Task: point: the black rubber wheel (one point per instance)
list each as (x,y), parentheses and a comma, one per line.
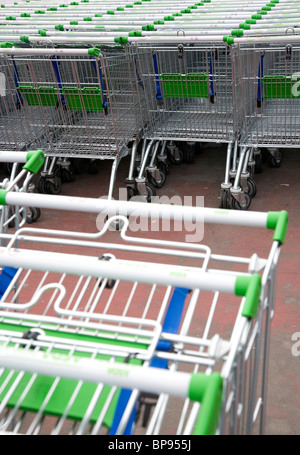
(163,166)
(236,205)
(276,162)
(150,191)
(110,284)
(130,193)
(251,190)
(258,164)
(77,166)
(67,175)
(155,183)
(57,171)
(224,200)
(35,215)
(42,185)
(53,186)
(177,159)
(189,155)
(10,214)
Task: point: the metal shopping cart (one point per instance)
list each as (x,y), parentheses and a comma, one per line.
(268,75)
(190,98)
(89,340)
(78,103)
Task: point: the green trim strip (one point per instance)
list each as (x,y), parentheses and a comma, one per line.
(208,391)
(278,221)
(65,388)
(250,288)
(34,161)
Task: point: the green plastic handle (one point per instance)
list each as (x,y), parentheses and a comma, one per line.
(279,222)
(250,288)
(208,390)
(34,161)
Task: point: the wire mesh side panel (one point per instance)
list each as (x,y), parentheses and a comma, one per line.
(189,92)
(269,89)
(75,105)
(15,130)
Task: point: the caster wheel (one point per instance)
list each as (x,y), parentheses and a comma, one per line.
(224,200)
(110,284)
(276,161)
(10,215)
(163,166)
(150,191)
(189,155)
(251,190)
(130,193)
(67,176)
(236,205)
(57,171)
(34,216)
(156,183)
(177,158)
(42,185)
(53,186)
(77,166)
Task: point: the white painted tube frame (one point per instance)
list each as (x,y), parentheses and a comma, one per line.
(97,371)
(125,270)
(131,208)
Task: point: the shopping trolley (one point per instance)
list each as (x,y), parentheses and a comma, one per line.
(80,333)
(78,103)
(190,98)
(268,83)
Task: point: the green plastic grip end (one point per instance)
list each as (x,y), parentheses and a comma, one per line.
(228,39)
(121,40)
(135,33)
(278,221)
(207,389)
(25,39)
(250,288)
(149,27)
(3,196)
(34,161)
(94,51)
(237,32)
(7,44)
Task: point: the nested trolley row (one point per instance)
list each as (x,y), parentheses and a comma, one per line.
(165,80)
